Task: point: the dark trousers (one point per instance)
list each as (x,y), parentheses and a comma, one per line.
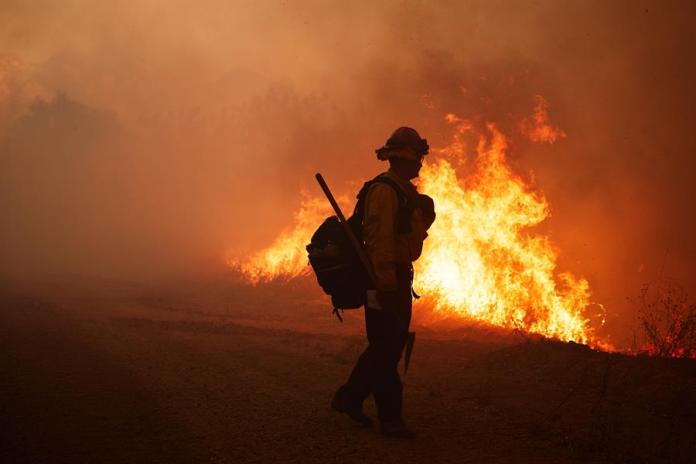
(376,370)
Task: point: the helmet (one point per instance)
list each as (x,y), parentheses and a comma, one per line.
(403,143)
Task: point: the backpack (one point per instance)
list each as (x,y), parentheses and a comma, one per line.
(335,262)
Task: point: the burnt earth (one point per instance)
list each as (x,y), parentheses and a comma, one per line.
(119,375)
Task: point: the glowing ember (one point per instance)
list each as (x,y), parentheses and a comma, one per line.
(479,262)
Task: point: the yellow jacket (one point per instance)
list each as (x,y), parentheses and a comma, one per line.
(385,246)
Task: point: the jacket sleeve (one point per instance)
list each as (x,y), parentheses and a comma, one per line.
(381,204)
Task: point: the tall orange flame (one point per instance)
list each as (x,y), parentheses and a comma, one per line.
(479,262)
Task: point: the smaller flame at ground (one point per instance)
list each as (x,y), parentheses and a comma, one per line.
(286,257)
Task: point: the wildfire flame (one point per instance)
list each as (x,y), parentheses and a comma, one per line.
(478,262)
(286,257)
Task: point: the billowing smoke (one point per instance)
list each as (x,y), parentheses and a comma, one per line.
(149,140)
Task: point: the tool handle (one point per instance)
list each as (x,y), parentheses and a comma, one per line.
(357,246)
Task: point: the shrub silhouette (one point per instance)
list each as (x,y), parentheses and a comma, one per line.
(668,319)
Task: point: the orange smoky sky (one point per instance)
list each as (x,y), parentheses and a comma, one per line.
(146,139)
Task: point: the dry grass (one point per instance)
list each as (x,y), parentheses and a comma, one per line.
(668,319)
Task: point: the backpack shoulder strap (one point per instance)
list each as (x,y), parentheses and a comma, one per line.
(362,194)
(404,211)
(401,195)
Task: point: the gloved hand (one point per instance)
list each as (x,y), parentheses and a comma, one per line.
(427,207)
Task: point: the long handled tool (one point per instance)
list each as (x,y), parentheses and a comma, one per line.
(364,259)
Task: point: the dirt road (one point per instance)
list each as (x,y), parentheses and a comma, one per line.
(87,379)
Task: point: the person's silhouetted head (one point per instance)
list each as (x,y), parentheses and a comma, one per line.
(405,150)
(406,168)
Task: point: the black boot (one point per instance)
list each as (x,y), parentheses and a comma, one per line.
(339,404)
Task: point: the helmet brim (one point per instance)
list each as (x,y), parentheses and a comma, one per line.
(386,153)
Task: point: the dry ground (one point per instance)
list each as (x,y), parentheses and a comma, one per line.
(114,372)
